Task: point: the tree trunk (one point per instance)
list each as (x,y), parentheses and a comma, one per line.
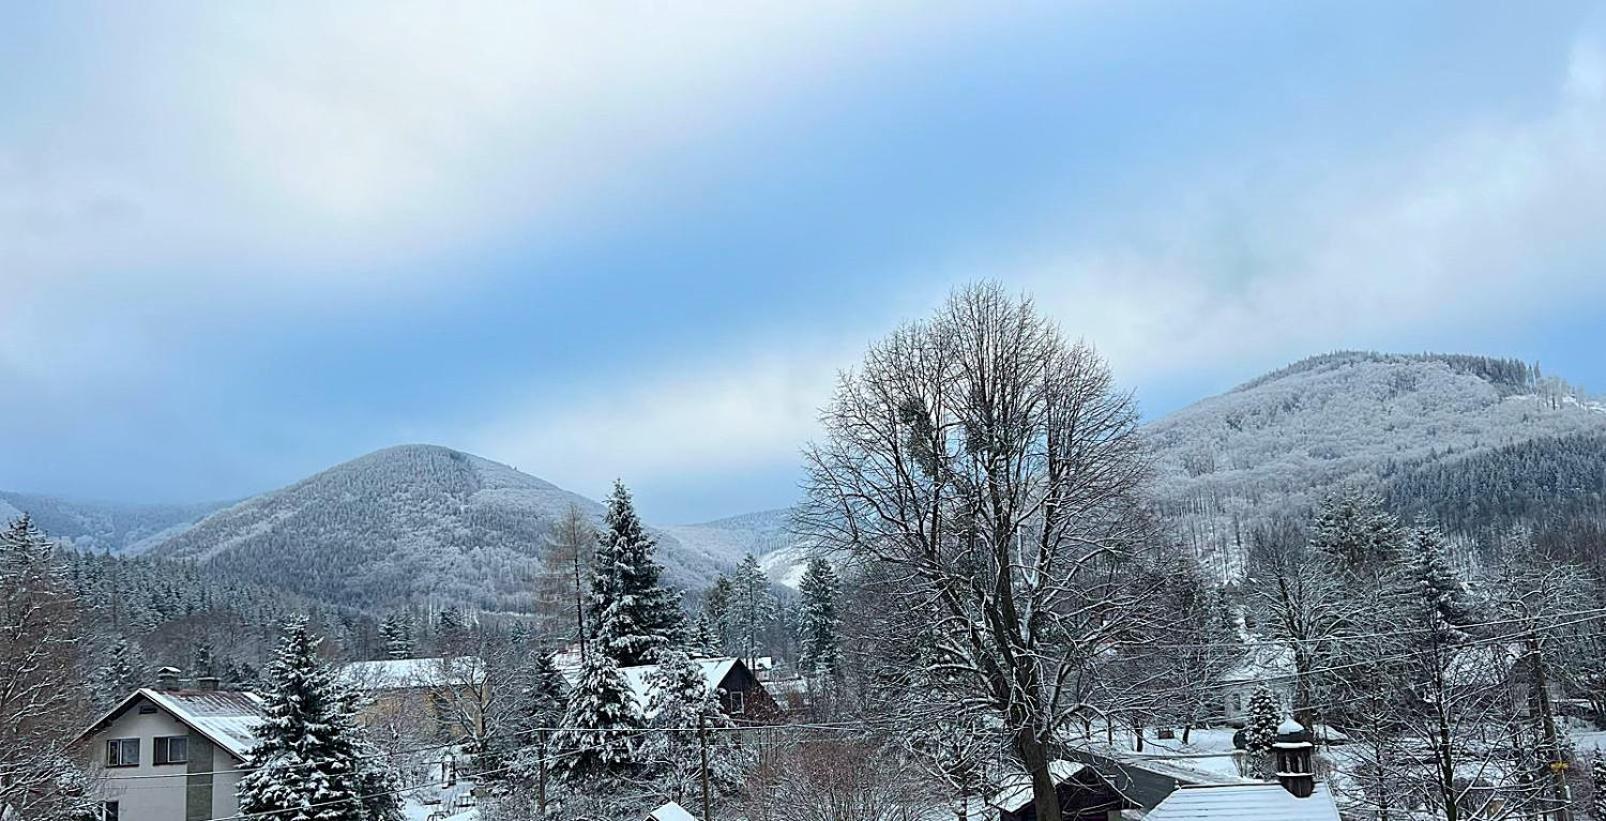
(1034,756)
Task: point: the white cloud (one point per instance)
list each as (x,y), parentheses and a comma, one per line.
(244,159)
(702,420)
(1497,224)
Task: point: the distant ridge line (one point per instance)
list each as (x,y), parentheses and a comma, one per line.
(1503,372)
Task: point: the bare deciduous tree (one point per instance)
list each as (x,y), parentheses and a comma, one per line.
(996,465)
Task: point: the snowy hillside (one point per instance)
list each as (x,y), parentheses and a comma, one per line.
(101,527)
(1282,441)
(413,522)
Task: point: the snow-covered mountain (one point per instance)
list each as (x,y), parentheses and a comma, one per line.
(420,522)
(1435,434)
(1281,442)
(104,527)
(413,522)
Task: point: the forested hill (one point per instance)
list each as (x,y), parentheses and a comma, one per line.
(1418,428)
(413,523)
(104,527)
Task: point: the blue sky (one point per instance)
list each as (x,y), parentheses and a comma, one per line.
(242,242)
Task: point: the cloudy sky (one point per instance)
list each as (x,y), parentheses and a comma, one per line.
(241,242)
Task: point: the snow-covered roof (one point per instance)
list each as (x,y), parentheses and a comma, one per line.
(1262,661)
(1015,791)
(638,678)
(1244,802)
(671,812)
(410,674)
(227,718)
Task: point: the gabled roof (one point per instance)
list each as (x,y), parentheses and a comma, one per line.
(671,812)
(638,678)
(1245,802)
(1015,791)
(410,674)
(1262,661)
(227,718)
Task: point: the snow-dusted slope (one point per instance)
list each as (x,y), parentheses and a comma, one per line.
(413,522)
(766,534)
(103,526)
(1286,439)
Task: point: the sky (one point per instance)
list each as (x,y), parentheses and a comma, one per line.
(242,242)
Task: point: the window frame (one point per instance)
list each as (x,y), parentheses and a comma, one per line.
(162,750)
(120,745)
(738,702)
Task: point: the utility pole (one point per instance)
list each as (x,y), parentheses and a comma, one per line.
(702,743)
(540,779)
(1547,716)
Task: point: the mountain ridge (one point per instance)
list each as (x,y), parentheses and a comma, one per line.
(415,522)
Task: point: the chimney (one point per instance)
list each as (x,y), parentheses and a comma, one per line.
(167,678)
(207,684)
(1294,770)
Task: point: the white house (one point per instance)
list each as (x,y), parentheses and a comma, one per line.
(172,755)
(1267,664)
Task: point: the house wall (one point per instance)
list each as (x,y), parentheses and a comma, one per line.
(1235,698)
(170,792)
(756,701)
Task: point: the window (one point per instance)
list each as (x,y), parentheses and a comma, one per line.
(172,750)
(737,705)
(122,752)
(108,811)
(147,709)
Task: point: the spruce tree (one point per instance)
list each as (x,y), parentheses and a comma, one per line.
(637,617)
(753,607)
(703,641)
(599,722)
(681,705)
(121,673)
(818,621)
(309,762)
(1444,602)
(1265,713)
(397,634)
(717,607)
(1354,530)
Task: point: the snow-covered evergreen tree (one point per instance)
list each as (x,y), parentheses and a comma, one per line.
(41,664)
(817,628)
(1264,714)
(636,616)
(451,627)
(753,607)
(600,723)
(1445,604)
(396,632)
(1353,529)
(310,762)
(717,607)
(703,641)
(121,672)
(680,702)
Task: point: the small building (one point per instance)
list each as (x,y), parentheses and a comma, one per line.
(1083,795)
(1268,664)
(443,698)
(173,754)
(671,812)
(741,694)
